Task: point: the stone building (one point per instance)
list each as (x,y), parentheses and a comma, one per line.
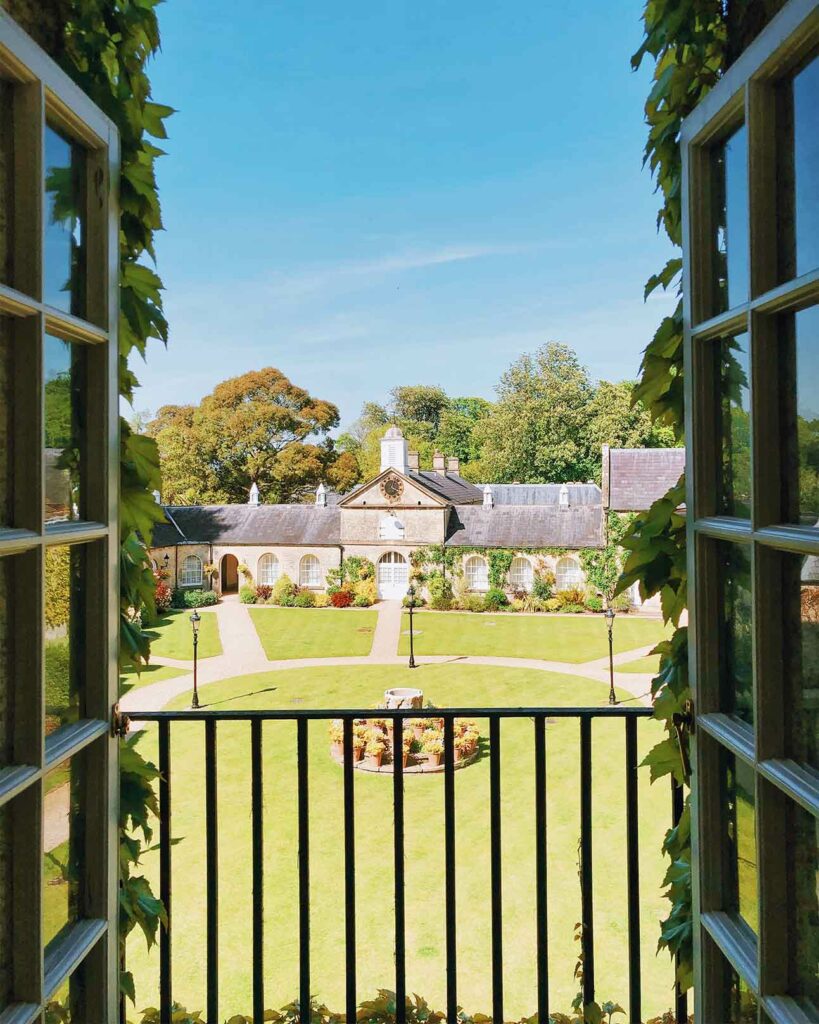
(385,519)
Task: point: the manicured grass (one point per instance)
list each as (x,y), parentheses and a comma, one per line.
(651,663)
(424,857)
(573,638)
(314,632)
(174,639)
(131,680)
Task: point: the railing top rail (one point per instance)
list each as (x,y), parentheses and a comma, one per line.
(295,714)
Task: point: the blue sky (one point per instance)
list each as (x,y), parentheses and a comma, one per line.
(374,193)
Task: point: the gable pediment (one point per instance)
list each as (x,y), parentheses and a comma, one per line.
(391,489)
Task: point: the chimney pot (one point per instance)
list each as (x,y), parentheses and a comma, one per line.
(453,464)
(413,462)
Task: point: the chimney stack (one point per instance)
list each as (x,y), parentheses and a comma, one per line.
(453,464)
(413,462)
(439,463)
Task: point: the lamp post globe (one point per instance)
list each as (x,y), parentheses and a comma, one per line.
(196,618)
(411,597)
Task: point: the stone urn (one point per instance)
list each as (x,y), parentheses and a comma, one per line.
(403,697)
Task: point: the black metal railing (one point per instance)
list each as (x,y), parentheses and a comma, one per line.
(629,715)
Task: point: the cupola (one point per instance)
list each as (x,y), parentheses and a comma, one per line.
(394,451)
(321,496)
(563,499)
(488,497)
(253,498)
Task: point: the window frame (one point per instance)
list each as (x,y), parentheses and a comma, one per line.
(483,583)
(184,574)
(746,94)
(529,574)
(265,560)
(310,580)
(577,568)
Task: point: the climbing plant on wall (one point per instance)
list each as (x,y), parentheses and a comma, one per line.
(692,43)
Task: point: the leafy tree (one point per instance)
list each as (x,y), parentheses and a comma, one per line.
(616,420)
(537,431)
(456,433)
(420,406)
(253,428)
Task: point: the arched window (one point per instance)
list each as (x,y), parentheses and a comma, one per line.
(268,570)
(569,574)
(477,573)
(521,573)
(309,572)
(191,574)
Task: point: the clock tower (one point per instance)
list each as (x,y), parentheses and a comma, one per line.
(394,451)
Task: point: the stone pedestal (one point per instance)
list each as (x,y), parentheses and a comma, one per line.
(403,697)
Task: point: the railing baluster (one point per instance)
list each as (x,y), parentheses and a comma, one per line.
(349,869)
(633,874)
(258,870)
(305,1013)
(400,922)
(496,869)
(449,870)
(586,894)
(212,857)
(540,870)
(165,986)
(680,997)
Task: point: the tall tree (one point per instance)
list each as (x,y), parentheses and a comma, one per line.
(256,428)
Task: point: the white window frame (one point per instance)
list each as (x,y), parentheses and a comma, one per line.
(476,571)
(310,572)
(192,572)
(521,573)
(569,573)
(268,569)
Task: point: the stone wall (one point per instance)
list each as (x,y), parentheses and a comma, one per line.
(422,526)
(289,559)
(176,556)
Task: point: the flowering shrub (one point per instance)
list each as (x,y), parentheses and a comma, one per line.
(305,599)
(341,599)
(283,587)
(247,595)
(162,592)
(263,592)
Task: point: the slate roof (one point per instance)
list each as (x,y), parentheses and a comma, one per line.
(450,487)
(543,494)
(299,525)
(526,526)
(637,477)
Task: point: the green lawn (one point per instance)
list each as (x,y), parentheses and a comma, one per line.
(174,637)
(314,633)
(574,638)
(130,679)
(443,684)
(650,663)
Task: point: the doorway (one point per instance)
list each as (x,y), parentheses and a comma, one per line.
(230,574)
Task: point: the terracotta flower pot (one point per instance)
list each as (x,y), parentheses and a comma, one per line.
(434,759)
(374,760)
(404,759)
(358,753)
(338,749)
(418,732)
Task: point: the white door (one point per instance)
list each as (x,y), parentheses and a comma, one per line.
(393,576)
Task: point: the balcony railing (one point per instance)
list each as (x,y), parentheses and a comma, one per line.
(495,716)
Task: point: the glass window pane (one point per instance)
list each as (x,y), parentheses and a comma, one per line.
(6,422)
(64,253)
(740,819)
(735,425)
(798,176)
(730,171)
(65,646)
(63,845)
(807,412)
(800,609)
(803,873)
(742,1006)
(6,181)
(6,671)
(64,420)
(736,671)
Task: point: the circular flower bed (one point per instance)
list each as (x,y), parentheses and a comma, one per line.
(422,744)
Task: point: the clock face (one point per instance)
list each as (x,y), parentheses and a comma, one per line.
(392,488)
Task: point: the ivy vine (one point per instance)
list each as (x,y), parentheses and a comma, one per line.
(692,43)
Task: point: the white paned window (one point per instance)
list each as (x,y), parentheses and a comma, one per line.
(569,574)
(191,574)
(477,573)
(268,570)
(309,572)
(521,573)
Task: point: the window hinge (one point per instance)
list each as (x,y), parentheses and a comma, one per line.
(120,722)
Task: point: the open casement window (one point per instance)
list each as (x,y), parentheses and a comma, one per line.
(751,286)
(59,599)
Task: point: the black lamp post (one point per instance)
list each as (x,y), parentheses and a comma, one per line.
(165,561)
(610,624)
(411,596)
(196,618)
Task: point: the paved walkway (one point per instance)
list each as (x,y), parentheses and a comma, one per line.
(243,654)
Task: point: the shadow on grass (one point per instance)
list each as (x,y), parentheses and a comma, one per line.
(239,696)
